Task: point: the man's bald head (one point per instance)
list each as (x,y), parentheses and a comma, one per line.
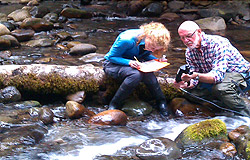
(188,26)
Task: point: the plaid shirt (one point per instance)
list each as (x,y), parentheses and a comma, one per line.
(216,56)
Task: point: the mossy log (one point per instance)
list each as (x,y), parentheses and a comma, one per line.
(62,80)
(51,79)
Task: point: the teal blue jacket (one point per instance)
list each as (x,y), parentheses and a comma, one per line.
(124,48)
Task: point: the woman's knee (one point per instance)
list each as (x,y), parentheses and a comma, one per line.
(131,76)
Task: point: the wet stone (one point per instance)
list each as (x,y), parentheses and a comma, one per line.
(77,97)
(46,116)
(109,117)
(9,94)
(74,109)
(13,41)
(82,49)
(23,35)
(19,15)
(158,148)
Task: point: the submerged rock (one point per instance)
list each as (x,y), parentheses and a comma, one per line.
(158,149)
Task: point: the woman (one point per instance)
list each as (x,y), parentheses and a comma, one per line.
(144,44)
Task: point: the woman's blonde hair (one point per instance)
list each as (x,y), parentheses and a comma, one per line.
(157,32)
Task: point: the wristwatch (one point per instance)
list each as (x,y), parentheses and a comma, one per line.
(197,77)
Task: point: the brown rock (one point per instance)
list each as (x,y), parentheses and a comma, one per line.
(109,117)
(76,110)
(233,135)
(22,34)
(77,97)
(46,116)
(228,149)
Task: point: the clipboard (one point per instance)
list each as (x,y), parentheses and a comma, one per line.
(152,66)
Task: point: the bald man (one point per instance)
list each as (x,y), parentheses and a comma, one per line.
(219,70)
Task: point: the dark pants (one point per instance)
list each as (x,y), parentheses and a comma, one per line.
(131,78)
(227,92)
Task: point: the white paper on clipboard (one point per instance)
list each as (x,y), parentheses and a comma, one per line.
(152,66)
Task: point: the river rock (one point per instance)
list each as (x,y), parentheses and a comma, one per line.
(22,136)
(39,11)
(75,13)
(203,132)
(241,138)
(82,49)
(72,43)
(176,6)
(80,35)
(33,3)
(9,94)
(228,149)
(23,34)
(37,24)
(51,17)
(3,17)
(5,54)
(4,43)
(169,17)
(109,117)
(77,97)
(23,104)
(14,42)
(212,23)
(135,107)
(63,36)
(44,42)
(19,15)
(92,57)
(76,110)
(153,10)
(181,107)
(158,149)
(46,116)
(135,7)
(241,130)
(4,30)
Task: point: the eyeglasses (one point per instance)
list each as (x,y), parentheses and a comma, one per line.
(189,36)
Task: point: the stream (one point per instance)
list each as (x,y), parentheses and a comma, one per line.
(77,140)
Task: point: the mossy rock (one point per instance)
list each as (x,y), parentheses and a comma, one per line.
(248,150)
(204,131)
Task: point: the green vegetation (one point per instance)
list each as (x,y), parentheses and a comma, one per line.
(206,129)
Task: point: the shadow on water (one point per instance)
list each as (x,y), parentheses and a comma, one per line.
(75,139)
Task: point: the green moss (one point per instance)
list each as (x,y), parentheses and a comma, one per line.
(170,92)
(248,150)
(49,84)
(206,129)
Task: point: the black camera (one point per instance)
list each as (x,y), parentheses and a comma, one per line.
(183,69)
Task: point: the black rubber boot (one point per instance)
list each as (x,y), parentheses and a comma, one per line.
(163,108)
(121,94)
(161,103)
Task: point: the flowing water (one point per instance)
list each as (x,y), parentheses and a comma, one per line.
(74,139)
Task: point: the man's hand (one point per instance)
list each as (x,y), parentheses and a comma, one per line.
(187,77)
(182,84)
(135,64)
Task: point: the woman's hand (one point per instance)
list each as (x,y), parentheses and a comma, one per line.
(163,59)
(135,64)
